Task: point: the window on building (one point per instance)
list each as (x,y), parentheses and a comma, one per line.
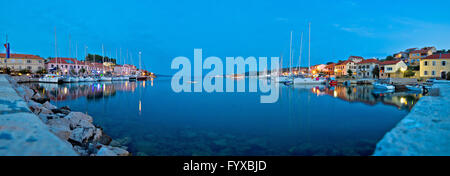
(434,63)
(52,65)
(433,73)
(40,61)
(29,67)
(39,68)
(443,63)
(425,63)
(28,61)
(425,72)
(389,68)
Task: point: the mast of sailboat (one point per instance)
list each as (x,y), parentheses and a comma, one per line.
(56,53)
(140,68)
(103,59)
(309,47)
(300,57)
(290,55)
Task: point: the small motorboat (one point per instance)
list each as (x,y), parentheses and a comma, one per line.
(417,88)
(383,86)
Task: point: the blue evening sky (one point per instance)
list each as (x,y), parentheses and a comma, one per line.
(165,29)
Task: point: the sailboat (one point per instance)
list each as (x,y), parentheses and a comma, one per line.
(307,80)
(283,78)
(53,78)
(140,76)
(103,77)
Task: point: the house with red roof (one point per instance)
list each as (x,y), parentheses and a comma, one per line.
(329,69)
(19,62)
(355,59)
(392,69)
(416,55)
(364,69)
(66,66)
(435,66)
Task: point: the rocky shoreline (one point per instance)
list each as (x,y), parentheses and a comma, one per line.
(75,128)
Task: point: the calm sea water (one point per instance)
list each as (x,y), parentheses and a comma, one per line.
(150,119)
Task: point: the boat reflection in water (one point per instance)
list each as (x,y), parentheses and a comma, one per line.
(92,91)
(151,119)
(366,94)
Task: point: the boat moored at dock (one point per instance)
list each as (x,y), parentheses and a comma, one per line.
(51,78)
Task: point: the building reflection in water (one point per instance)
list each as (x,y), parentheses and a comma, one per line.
(92,91)
(367,95)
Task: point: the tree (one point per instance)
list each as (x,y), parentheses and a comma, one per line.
(25,71)
(389,58)
(408,73)
(82,71)
(42,71)
(350,72)
(376,72)
(328,63)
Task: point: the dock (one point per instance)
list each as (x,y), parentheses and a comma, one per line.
(22,133)
(424,131)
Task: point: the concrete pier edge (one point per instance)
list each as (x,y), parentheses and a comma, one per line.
(22,133)
(425,131)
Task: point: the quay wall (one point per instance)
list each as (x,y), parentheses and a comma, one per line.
(22,133)
(424,131)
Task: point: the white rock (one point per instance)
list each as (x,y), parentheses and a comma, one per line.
(104,151)
(112,151)
(76,119)
(81,135)
(48,105)
(60,127)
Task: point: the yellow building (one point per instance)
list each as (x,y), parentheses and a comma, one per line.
(19,62)
(416,55)
(435,66)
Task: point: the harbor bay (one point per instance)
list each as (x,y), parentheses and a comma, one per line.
(308,120)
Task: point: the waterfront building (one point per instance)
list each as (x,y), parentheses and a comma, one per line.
(19,62)
(401,55)
(95,68)
(122,69)
(66,66)
(317,68)
(341,69)
(435,66)
(364,69)
(416,55)
(392,69)
(329,69)
(355,59)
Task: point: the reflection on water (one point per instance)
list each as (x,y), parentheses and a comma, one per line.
(151,119)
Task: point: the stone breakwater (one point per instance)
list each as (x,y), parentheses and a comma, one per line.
(424,131)
(74,128)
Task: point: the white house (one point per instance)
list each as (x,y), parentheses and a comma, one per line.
(392,69)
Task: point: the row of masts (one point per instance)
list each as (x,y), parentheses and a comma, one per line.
(129,56)
(291,53)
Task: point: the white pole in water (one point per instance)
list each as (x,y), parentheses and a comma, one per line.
(309,48)
(300,57)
